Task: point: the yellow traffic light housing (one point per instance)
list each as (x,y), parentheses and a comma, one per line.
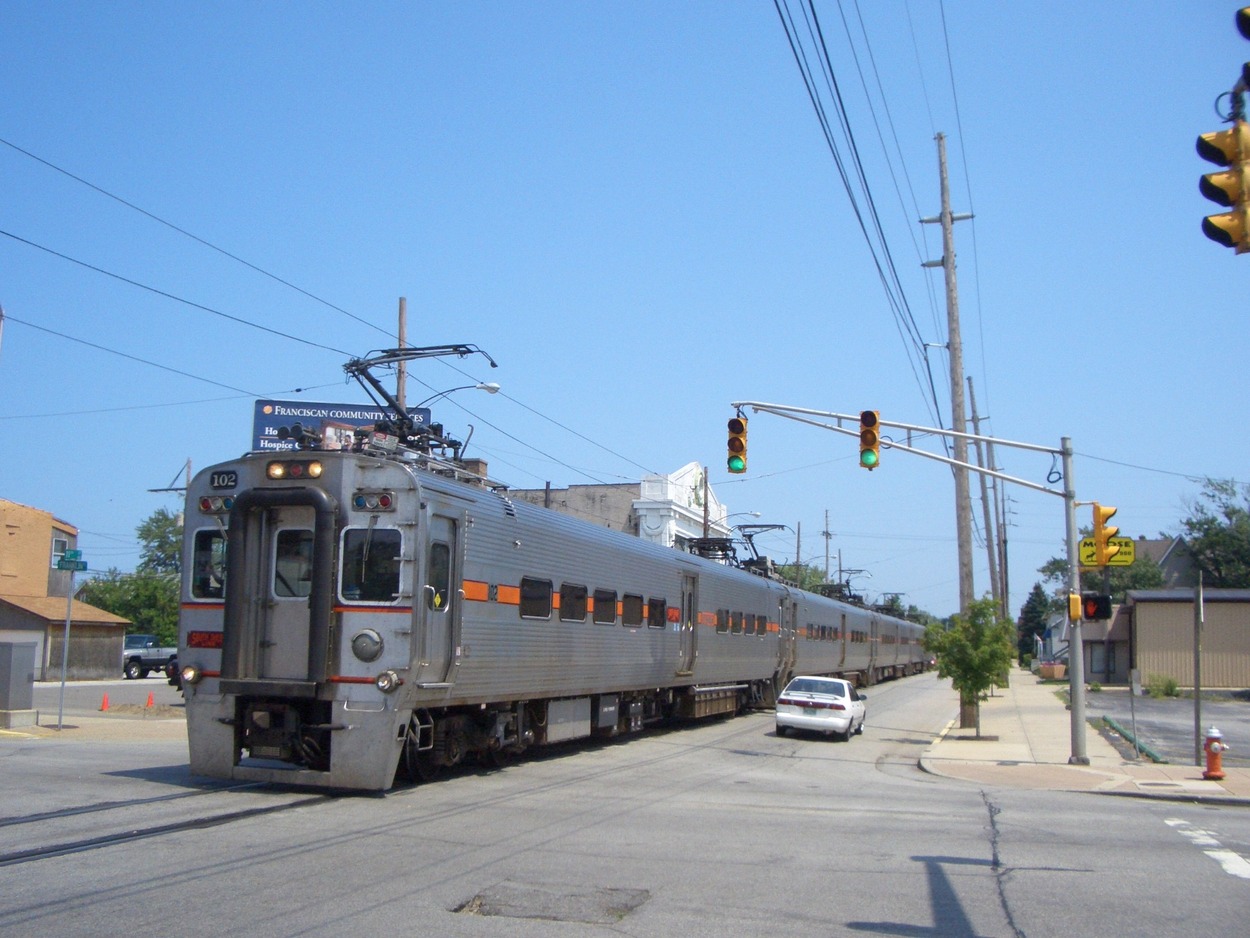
(869,439)
(1104,550)
(736,460)
(1074,607)
(1230,188)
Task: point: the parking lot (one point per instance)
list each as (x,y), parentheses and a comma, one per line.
(1166,725)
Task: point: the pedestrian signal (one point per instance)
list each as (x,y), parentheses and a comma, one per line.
(1095,607)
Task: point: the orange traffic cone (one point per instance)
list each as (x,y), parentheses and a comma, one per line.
(151,699)
(104,704)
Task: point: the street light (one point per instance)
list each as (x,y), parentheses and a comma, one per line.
(489,387)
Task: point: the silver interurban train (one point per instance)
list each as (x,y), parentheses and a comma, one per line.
(348,612)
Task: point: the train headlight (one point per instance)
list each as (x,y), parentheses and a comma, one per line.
(191,674)
(294,469)
(367,645)
(388,682)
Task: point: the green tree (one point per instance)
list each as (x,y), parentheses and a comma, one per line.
(161,536)
(975,652)
(1217,534)
(804,575)
(1033,616)
(148,600)
(149,596)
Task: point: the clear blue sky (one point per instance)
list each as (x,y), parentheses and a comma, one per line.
(632,208)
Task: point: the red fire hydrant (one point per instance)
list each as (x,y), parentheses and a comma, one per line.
(1214,747)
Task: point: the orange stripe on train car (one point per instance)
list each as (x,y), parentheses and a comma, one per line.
(475,590)
(509,595)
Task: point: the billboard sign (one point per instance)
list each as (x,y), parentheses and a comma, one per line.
(336,423)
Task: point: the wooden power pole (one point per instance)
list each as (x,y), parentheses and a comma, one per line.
(963,503)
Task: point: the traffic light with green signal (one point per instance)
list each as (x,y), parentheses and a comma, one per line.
(1104,550)
(1231,187)
(869,439)
(737,445)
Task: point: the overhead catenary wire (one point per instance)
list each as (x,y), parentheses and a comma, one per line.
(194,237)
(280,280)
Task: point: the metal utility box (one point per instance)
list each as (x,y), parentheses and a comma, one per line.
(17,684)
(568,719)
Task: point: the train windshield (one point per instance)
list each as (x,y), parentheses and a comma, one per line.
(371,564)
(209,564)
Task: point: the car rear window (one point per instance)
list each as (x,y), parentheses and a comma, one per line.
(832,688)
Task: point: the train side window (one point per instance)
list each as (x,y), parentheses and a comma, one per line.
(722,620)
(605,607)
(370,564)
(657,613)
(748,626)
(292,565)
(631,611)
(438,578)
(572,603)
(208,563)
(735,623)
(535,598)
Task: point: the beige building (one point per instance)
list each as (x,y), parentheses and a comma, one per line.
(34,598)
(1160,632)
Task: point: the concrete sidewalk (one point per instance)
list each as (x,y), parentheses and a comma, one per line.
(1026,732)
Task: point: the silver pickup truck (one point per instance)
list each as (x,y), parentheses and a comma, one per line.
(142,654)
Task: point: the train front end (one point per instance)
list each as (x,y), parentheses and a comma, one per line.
(296,618)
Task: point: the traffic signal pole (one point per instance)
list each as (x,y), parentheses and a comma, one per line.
(1076,654)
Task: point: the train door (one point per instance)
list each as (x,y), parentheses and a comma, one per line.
(874,641)
(688,644)
(439,604)
(280,563)
(787,630)
(843,638)
(284,650)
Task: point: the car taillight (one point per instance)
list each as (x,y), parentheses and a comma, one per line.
(814,704)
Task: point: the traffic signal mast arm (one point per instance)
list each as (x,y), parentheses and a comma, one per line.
(1076,674)
(801,414)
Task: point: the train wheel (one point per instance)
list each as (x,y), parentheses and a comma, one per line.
(419,765)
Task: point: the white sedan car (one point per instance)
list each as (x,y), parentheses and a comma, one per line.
(826,705)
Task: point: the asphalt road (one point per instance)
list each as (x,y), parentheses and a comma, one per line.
(720,828)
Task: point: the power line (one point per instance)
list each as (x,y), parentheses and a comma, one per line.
(133,358)
(174,297)
(193,237)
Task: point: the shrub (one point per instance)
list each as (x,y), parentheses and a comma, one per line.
(1158,686)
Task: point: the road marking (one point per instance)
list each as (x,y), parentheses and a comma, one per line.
(1233,863)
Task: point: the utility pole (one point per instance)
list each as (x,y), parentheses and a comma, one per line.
(991,544)
(827,535)
(401,374)
(963,502)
